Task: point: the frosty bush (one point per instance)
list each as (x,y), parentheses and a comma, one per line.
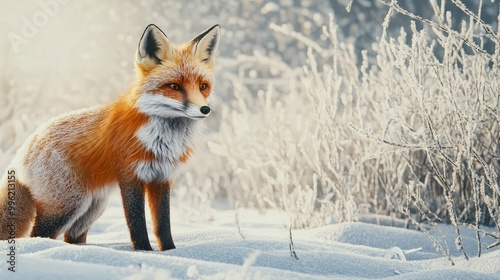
(442,119)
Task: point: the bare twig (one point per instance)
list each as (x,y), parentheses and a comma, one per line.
(406,146)
(497,242)
(445,253)
(290,245)
(483,24)
(236,218)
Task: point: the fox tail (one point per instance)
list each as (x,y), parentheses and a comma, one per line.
(17,209)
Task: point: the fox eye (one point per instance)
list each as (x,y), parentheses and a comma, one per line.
(203,86)
(174,86)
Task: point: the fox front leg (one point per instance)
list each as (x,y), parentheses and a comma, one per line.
(133,204)
(159,202)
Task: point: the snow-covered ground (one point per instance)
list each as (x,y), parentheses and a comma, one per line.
(216,250)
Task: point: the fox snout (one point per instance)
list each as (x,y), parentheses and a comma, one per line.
(200,101)
(197,112)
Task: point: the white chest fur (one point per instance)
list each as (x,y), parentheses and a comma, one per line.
(168,139)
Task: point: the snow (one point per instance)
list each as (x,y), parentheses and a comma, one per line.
(215,250)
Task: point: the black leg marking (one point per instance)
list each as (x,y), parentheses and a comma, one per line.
(80,239)
(50,226)
(133,204)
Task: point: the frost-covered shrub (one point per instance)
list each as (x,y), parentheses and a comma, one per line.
(442,118)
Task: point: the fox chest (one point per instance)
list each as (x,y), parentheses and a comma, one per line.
(169,140)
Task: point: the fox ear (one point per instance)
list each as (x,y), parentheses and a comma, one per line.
(154,47)
(206,43)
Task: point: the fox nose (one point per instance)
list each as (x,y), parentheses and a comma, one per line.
(205,110)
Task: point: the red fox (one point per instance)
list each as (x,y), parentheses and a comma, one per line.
(65,170)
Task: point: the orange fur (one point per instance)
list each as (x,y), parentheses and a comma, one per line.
(185,156)
(156,192)
(108,151)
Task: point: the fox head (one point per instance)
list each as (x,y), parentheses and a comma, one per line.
(176,80)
